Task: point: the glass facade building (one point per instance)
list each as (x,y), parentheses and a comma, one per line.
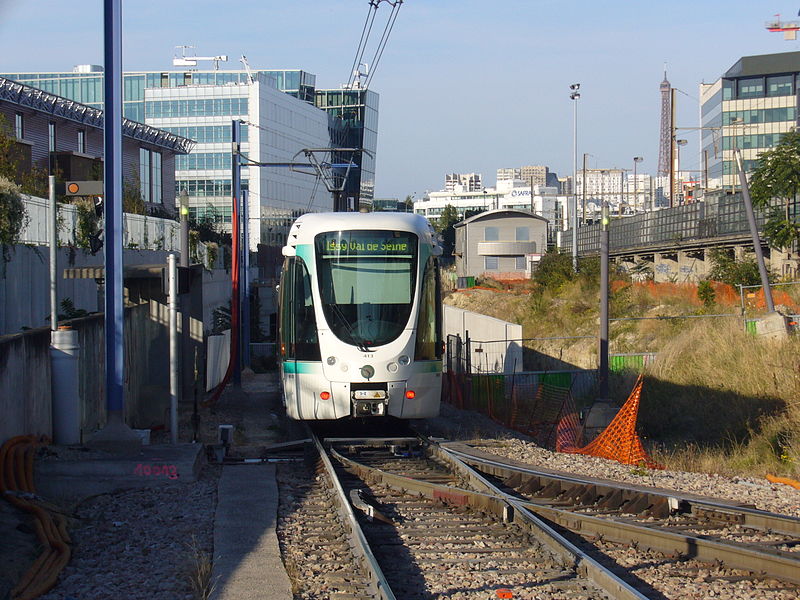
(283,113)
(750,107)
(353,123)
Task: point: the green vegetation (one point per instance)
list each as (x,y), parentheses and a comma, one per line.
(444,226)
(13,216)
(778,177)
(727,269)
(717,399)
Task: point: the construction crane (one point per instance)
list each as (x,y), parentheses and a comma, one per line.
(789,28)
(191,61)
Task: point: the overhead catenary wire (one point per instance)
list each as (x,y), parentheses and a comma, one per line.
(362,43)
(384,39)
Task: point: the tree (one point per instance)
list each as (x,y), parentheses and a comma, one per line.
(778,177)
(32,181)
(444,226)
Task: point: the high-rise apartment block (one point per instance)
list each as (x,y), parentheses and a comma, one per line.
(463,182)
(750,106)
(530,174)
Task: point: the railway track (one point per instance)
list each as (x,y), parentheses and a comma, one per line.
(454,522)
(755,544)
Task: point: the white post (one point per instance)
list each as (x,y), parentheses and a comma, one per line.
(53,238)
(173,347)
(64,349)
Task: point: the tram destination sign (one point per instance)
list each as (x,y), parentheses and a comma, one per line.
(368,244)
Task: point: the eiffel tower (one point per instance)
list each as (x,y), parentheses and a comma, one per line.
(665,141)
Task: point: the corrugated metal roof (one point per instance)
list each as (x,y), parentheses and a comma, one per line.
(765,64)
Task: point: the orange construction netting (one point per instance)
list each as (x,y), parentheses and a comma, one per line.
(619,441)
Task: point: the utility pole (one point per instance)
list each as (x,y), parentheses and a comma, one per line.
(751,220)
(672,148)
(583,188)
(603,337)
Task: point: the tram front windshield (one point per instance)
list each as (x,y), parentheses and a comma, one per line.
(366,281)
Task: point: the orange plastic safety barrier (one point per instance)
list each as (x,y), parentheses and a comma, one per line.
(619,441)
(785,480)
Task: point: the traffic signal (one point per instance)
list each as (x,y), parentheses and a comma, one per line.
(84,188)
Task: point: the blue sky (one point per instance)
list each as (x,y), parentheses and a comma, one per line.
(465,85)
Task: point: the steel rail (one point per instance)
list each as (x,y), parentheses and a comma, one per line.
(509,511)
(736,555)
(658,499)
(360,546)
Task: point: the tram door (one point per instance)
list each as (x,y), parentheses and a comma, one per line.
(299,343)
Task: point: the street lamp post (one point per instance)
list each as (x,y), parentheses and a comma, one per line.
(678,144)
(636,160)
(574,96)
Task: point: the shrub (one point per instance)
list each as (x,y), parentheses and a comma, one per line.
(706,294)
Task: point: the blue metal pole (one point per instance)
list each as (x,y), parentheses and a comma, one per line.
(112,188)
(245,282)
(236,190)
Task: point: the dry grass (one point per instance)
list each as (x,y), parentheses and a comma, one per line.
(716,400)
(199,571)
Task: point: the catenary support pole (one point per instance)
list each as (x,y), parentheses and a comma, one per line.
(245,279)
(116,435)
(113,209)
(602,375)
(53,239)
(751,220)
(236,167)
(172,278)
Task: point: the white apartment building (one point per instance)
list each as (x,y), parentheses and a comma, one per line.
(509,194)
(463,182)
(276,127)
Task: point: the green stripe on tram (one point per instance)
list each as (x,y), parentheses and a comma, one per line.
(429,366)
(302,368)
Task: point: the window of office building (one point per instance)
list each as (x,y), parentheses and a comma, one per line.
(520,263)
(19,126)
(51,136)
(523,234)
(490,263)
(779,85)
(751,87)
(144,173)
(157,195)
(491,234)
(81,141)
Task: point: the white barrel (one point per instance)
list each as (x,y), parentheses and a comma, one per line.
(64,350)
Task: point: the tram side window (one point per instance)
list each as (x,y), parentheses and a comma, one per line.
(429,321)
(299,339)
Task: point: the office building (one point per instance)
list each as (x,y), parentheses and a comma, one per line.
(601,185)
(58,135)
(751,105)
(283,113)
(354,124)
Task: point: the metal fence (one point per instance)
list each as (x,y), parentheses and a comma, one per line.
(716,216)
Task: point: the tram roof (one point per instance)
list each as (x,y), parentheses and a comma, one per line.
(308,225)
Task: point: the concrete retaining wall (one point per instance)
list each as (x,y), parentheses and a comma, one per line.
(26,404)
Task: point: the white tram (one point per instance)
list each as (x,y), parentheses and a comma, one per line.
(360,317)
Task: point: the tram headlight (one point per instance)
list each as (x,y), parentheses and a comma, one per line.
(331,360)
(404,360)
(367,371)
(392,367)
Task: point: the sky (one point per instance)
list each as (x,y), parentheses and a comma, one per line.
(465,86)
